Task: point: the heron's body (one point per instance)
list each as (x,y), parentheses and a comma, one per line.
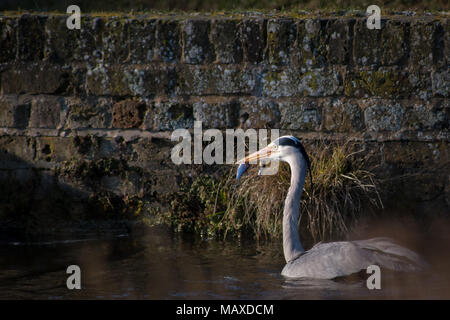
(326,260)
(338,259)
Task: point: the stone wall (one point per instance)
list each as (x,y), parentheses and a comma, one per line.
(89,112)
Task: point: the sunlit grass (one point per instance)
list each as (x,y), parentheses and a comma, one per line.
(342,188)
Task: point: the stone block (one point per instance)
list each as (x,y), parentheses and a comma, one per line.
(168,115)
(168,41)
(340,115)
(366,44)
(61,43)
(226,41)
(128,114)
(340,37)
(253,35)
(217,114)
(46,112)
(259,113)
(312,43)
(281,35)
(302,115)
(441,82)
(123,80)
(142,38)
(89,112)
(394,39)
(14,111)
(384,83)
(116,40)
(16,152)
(8,39)
(422,36)
(215,80)
(293,83)
(30,37)
(383,115)
(197,48)
(35,78)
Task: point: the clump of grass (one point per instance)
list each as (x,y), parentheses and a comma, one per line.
(342,187)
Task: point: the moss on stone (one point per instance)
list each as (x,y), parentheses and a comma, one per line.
(385,84)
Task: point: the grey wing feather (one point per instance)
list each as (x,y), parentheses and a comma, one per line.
(387,250)
(337,259)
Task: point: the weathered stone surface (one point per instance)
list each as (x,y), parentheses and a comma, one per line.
(446,39)
(366,44)
(14,111)
(46,112)
(281,35)
(312,43)
(128,114)
(151,154)
(217,115)
(30,37)
(217,80)
(302,115)
(427,116)
(318,83)
(291,83)
(169,115)
(394,42)
(422,42)
(35,78)
(54,150)
(168,41)
(342,116)
(197,48)
(61,44)
(253,37)
(116,40)
(16,152)
(383,115)
(127,80)
(226,41)
(420,84)
(8,39)
(340,37)
(91,112)
(89,45)
(142,38)
(260,113)
(382,83)
(415,154)
(441,82)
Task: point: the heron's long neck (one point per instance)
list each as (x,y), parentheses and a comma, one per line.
(292,246)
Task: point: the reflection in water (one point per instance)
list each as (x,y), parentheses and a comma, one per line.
(159,265)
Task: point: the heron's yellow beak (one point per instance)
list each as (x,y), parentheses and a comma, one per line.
(259,155)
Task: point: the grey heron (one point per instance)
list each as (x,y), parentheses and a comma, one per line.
(324,260)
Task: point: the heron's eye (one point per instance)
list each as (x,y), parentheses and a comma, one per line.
(274,147)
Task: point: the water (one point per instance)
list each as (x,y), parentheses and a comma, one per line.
(160,265)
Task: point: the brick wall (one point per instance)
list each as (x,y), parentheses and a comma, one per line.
(92,110)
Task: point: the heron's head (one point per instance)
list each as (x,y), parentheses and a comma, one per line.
(281,149)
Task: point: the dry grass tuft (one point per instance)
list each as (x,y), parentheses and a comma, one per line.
(342,187)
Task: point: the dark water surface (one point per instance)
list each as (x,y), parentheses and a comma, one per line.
(160,265)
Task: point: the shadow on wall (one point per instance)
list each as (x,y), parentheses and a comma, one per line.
(35,201)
